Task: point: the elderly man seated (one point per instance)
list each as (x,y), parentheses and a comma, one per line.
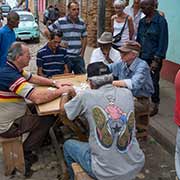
(16,85)
(134,74)
(105,53)
(112,152)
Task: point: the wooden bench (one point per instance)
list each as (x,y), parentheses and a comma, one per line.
(13,155)
(142,123)
(79,173)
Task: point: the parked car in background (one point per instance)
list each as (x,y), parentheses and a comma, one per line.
(5,9)
(28,28)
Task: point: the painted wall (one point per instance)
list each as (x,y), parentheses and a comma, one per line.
(172,13)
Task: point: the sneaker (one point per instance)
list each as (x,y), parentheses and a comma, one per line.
(103,132)
(154,109)
(124,139)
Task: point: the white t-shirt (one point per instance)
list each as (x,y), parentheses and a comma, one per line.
(130,11)
(98,56)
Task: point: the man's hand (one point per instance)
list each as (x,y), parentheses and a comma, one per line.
(154,66)
(58,84)
(69,90)
(119,83)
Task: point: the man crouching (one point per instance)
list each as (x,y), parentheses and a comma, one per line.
(112,151)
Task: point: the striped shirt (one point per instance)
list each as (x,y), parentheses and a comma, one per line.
(72,33)
(51,63)
(14,87)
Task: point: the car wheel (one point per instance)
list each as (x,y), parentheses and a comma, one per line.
(37,40)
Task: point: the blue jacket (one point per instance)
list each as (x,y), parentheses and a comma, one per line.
(137,76)
(153,37)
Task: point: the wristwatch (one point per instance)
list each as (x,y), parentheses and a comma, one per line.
(54,83)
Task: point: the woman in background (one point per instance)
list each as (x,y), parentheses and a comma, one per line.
(117,22)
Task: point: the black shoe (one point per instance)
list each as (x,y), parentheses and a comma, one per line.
(28,172)
(154,110)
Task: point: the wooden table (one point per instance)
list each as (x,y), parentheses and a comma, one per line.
(53,106)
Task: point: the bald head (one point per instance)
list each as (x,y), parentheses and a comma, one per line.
(147,7)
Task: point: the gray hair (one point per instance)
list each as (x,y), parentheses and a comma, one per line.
(15,50)
(119,2)
(98,81)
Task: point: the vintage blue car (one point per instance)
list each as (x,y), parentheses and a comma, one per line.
(28,28)
(5,9)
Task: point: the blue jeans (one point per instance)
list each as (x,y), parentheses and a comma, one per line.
(77,65)
(77,151)
(177,154)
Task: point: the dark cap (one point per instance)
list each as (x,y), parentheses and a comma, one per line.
(97,69)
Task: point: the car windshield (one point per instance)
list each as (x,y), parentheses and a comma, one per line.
(26,18)
(5,8)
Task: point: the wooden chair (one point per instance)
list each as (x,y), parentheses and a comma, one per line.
(142,123)
(13,155)
(79,173)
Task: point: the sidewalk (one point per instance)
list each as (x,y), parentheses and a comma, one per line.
(162,126)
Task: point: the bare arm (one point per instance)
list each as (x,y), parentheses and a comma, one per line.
(131,27)
(39,71)
(39,80)
(112,23)
(47,33)
(39,95)
(84,42)
(66,69)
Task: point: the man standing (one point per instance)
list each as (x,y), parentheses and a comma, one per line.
(112,151)
(74,34)
(16,85)
(52,59)
(7,36)
(135,12)
(153,37)
(105,53)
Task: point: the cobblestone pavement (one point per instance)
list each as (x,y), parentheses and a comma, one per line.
(159,164)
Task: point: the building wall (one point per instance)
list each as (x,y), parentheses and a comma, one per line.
(172,13)
(89,13)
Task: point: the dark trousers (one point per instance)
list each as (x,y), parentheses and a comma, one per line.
(155,75)
(37,126)
(76,65)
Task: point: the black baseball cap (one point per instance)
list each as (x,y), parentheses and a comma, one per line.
(97,69)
